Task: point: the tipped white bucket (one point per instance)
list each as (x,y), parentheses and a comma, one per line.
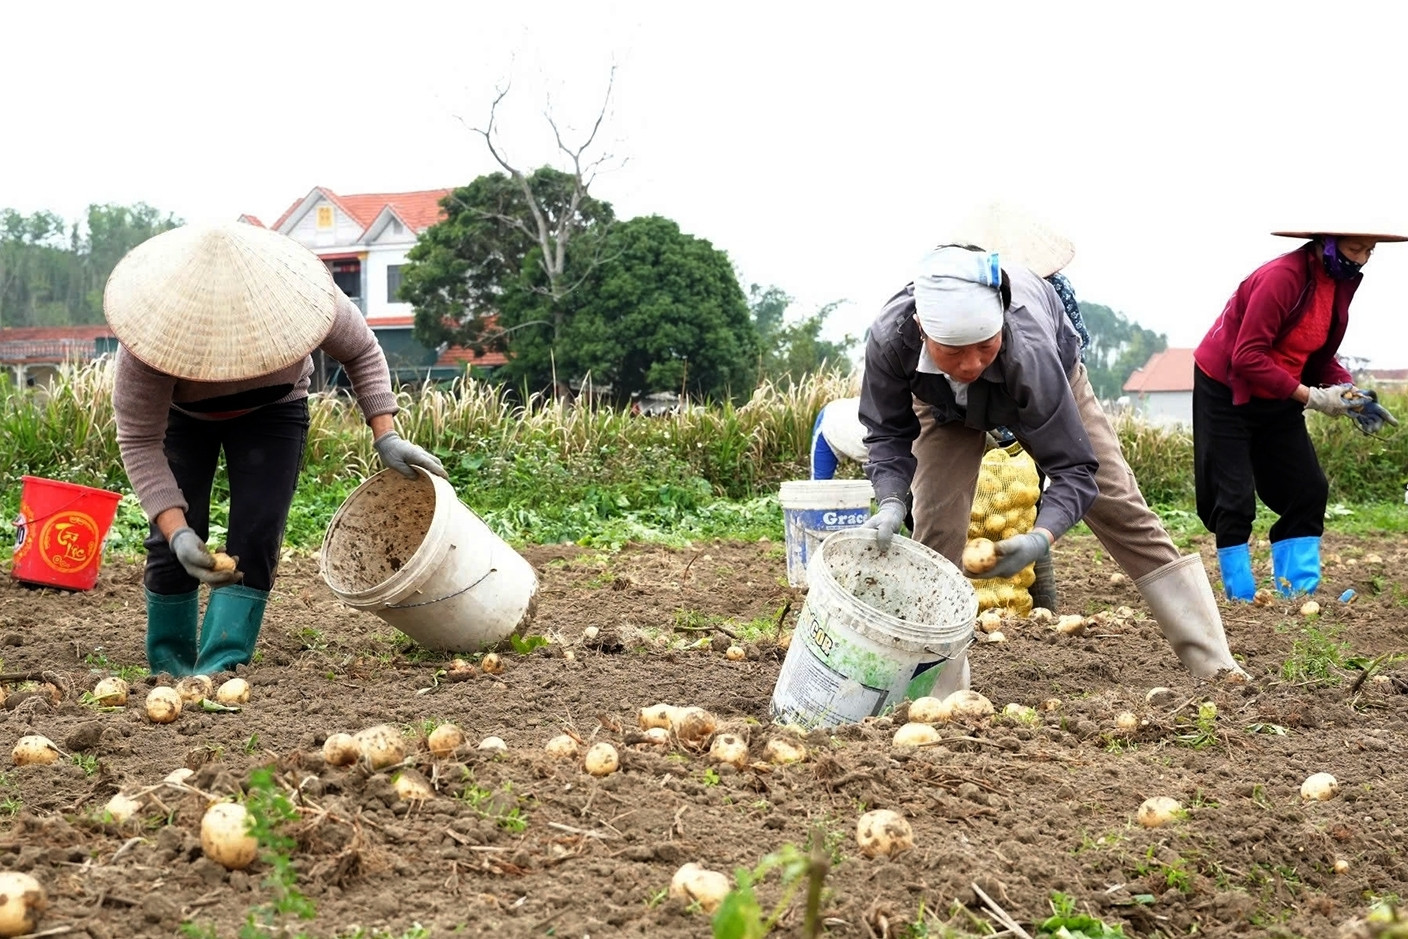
(409,551)
(875,629)
(813,509)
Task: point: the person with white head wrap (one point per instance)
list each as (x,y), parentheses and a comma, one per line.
(972,344)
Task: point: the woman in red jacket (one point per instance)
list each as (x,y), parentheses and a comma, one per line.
(1269,358)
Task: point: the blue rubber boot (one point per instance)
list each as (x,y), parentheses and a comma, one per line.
(231,628)
(171,633)
(1295,563)
(1237,580)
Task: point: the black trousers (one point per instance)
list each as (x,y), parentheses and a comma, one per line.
(1260,448)
(263,455)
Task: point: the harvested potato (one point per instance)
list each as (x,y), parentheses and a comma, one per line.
(194,689)
(883,832)
(980,555)
(966,704)
(34,750)
(915,734)
(444,740)
(693,883)
(341,750)
(110,692)
(22,899)
(564,747)
(730,749)
(223,562)
(1158,811)
(163,705)
(381,746)
(1318,787)
(601,759)
(225,837)
(782,750)
(234,691)
(929,710)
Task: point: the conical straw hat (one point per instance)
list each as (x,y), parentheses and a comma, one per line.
(1016,236)
(1371,231)
(222,302)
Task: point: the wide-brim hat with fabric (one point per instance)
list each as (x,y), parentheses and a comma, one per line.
(220,302)
(1017,236)
(1377,229)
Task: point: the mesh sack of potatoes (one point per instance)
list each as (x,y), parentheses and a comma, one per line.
(1003,506)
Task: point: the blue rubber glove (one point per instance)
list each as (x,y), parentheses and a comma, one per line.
(1368,413)
(1017,552)
(401,455)
(887,521)
(196,558)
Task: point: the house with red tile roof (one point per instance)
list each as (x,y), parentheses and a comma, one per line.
(364,239)
(1162,389)
(34,354)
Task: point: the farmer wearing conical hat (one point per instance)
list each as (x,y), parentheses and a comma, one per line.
(972,344)
(216,325)
(1268,359)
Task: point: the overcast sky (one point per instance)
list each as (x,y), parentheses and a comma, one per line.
(824,148)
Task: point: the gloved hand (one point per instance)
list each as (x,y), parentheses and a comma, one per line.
(401,455)
(196,558)
(1368,413)
(1330,400)
(1017,552)
(886,522)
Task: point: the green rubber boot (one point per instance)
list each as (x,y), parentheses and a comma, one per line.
(171,632)
(231,628)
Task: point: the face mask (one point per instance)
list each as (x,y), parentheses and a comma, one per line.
(1337,265)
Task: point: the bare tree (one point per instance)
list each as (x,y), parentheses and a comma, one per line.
(553,236)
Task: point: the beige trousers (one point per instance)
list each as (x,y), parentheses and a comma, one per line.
(949,456)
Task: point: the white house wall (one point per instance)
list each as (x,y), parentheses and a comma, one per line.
(374,268)
(1166,408)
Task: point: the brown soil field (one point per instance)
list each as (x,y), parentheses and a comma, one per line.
(1006,814)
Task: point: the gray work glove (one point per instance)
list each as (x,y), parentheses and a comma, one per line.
(1017,552)
(401,455)
(887,521)
(196,558)
(1330,400)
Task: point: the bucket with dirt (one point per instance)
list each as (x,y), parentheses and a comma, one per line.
(409,551)
(813,509)
(59,533)
(876,629)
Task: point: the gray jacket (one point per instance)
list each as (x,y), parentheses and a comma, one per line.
(1026,389)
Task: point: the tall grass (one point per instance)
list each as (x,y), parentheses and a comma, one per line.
(548,470)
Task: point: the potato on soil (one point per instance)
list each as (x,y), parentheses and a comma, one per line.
(1158,811)
(966,704)
(564,747)
(341,750)
(729,748)
(34,750)
(444,740)
(929,710)
(225,837)
(381,746)
(601,760)
(694,725)
(233,691)
(121,808)
(693,883)
(1318,787)
(781,750)
(915,734)
(195,688)
(111,692)
(22,900)
(883,832)
(163,705)
(412,786)
(493,745)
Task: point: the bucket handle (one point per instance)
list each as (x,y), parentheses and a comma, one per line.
(448,596)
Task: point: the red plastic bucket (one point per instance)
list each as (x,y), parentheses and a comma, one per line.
(61,527)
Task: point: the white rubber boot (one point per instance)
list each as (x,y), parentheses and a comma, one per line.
(1180,595)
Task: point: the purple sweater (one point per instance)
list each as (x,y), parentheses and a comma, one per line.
(143,396)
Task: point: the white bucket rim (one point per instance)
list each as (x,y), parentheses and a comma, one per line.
(903,634)
(825,493)
(422,562)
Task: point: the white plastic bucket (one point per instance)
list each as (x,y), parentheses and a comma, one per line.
(813,509)
(875,629)
(409,551)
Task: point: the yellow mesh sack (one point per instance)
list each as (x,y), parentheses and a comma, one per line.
(1004,506)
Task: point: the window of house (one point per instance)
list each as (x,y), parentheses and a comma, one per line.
(325,216)
(393,283)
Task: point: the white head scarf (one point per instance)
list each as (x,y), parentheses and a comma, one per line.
(957,296)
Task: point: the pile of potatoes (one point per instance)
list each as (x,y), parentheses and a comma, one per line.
(1004,506)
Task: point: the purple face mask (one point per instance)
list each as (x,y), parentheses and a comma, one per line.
(1337,265)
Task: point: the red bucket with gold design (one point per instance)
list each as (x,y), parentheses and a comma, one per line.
(61,528)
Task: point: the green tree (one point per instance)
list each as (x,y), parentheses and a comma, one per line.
(1117,347)
(657,310)
(486,254)
(53,273)
(789,351)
